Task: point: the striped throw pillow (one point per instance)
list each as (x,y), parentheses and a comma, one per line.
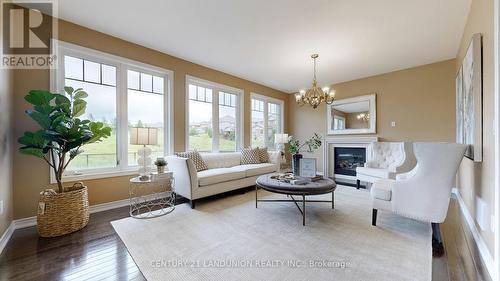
(195,156)
(250,156)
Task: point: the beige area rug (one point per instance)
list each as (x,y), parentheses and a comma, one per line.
(229,239)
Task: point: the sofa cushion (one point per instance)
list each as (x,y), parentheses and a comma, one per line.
(198,162)
(263,155)
(221,160)
(250,156)
(218,175)
(382,190)
(257,169)
(374,172)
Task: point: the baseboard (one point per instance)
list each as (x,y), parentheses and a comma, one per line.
(486,257)
(31,221)
(6,236)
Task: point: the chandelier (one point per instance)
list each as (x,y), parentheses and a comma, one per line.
(363,116)
(315,95)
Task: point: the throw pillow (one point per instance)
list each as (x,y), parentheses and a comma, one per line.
(250,156)
(263,155)
(195,156)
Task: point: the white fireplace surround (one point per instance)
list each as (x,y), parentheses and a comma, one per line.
(331,142)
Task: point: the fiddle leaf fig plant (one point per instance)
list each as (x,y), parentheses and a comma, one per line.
(62,133)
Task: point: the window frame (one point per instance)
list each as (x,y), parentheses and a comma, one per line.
(266,101)
(216,88)
(57,78)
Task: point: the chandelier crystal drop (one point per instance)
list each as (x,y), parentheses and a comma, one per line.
(315,95)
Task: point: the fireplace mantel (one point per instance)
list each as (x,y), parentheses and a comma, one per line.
(331,142)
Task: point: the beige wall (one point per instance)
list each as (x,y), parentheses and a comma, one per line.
(32,175)
(476,180)
(421,100)
(5,149)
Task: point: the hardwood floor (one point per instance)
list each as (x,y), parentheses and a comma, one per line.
(97,253)
(94,253)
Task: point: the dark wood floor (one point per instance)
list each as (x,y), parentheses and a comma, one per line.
(97,253)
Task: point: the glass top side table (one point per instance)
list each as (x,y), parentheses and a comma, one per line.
(153,197)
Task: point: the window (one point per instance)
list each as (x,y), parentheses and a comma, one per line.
(267,121)
(101,106)
(122,94)
(338,122)
(145,100)
(214,116)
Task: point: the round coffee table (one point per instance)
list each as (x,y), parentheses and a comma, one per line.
(322,186)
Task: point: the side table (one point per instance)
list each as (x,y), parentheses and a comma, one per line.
(153,197)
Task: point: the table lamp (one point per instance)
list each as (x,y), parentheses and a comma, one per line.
(144,136)
(280,140)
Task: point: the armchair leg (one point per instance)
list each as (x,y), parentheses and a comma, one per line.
(437,241)
(191,202)
(374,217)
(358,184)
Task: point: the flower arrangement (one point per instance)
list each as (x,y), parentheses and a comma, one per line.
(294,145)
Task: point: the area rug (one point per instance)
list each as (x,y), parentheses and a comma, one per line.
(229,239)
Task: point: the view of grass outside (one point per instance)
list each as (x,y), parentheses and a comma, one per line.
(97,154)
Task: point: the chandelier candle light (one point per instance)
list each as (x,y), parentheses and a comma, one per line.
(144,136)
(315,95)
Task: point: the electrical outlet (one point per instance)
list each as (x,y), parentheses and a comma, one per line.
(1,207)
(393,124)
(482,214)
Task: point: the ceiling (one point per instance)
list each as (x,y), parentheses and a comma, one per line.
(353,107)
(270,42)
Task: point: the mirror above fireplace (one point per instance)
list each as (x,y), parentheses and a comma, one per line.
(352,116)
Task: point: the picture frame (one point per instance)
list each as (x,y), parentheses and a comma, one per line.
(469,101)
(307,167)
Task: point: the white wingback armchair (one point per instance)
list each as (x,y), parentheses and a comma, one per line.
(424,192)
(387,159)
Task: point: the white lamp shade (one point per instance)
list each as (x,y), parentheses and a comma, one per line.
(280,138)
(144,136)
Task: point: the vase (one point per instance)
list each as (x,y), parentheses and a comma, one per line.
(296,164)
(161,169)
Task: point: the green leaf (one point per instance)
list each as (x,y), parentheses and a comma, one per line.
(79,107)
(42,119)
(81,95)
(61,99)
(39,97)
(38,152)
(69,90)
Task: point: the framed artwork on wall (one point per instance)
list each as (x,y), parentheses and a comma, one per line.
(469,101)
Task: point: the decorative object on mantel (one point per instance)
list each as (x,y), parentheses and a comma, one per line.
(356,115)
(315,95)
(58,142)
(144,136)
(470,101)
(294,147)
(160,165)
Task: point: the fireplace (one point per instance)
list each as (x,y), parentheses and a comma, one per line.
(342,154)
(347,159)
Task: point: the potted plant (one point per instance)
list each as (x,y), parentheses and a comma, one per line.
(58,141)
(160,165)
(294,148)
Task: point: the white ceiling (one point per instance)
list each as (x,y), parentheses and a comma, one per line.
(270,42)
(353,107)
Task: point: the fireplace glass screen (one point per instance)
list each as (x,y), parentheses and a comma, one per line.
(348,158)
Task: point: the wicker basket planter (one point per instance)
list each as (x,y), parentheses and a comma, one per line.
(63,213)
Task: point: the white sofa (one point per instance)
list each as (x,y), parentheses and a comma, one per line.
(387,160)
(225,173)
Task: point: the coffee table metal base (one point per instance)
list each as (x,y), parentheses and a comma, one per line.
(301,210)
